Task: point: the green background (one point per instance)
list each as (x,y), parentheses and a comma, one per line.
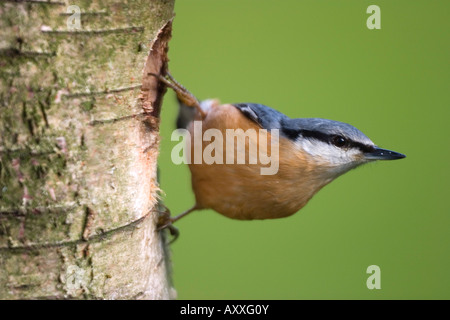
(319,59)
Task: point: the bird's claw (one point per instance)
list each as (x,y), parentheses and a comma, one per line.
(166,222)
(183,94)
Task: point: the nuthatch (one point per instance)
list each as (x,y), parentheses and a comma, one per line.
(312,153)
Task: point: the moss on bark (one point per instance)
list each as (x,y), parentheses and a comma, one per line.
(78,185)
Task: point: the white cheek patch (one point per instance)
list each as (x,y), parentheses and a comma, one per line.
(328,154)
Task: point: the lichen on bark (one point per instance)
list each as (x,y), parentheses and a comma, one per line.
(78,150)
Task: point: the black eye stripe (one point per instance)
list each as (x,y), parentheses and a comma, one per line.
(316,135)
(364,148)
(327,138)
(292,134)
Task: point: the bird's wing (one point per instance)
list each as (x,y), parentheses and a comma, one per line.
(265,116)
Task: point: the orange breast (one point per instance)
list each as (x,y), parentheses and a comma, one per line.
(239,191)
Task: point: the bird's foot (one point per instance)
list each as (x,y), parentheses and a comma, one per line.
(166,222)
(183,94)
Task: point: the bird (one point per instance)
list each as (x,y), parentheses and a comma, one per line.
(312,152)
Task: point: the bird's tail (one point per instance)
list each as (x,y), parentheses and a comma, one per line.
(186,115)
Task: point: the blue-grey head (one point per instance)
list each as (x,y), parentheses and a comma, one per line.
(335,145)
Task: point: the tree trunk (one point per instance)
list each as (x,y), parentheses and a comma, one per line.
(78,149)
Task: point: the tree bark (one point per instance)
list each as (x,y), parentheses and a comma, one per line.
(79,123)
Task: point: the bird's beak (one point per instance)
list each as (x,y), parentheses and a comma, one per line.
(383,154)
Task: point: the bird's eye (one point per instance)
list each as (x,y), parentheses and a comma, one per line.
(339,141)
